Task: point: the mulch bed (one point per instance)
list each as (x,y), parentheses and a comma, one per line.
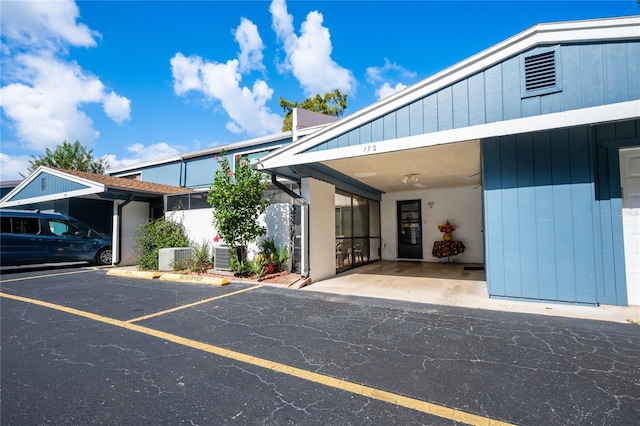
(284,278)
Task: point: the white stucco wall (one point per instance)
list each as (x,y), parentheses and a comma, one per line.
(321,197)
(200,228)
(198,223)
(461,205)
(134,214)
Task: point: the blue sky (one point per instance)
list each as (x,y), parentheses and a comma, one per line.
(141,80)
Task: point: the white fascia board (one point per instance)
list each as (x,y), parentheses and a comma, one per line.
(585,116)
(564,32)
(92,188)
(52,197)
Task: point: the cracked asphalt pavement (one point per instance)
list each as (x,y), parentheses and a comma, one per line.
(82,347)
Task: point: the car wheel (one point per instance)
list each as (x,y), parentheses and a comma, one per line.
(103,257)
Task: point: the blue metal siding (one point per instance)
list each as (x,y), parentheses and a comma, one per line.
(460,104)
(610,265)
(403,125)
(476,110)
(539,227)
(430,110)
(445,109)
(415,119)
(52,185)
(589,75)
(200,171)
(551,228)
(592,81)
(166,174)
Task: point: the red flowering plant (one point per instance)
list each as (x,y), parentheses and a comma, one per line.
(447,227)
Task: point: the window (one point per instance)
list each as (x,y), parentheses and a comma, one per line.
(6,225)
(192,201)
(24,225)
(64,228)
(541,73)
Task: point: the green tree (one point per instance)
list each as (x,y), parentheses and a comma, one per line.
(237,201)
(71,157)
(332,103)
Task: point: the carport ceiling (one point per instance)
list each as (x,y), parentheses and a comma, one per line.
(440,166)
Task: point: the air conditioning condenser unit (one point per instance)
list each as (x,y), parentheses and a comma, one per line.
(222,257)
(168,258)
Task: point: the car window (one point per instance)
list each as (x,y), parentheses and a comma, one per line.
(6,225)
(23,225)
(65,228)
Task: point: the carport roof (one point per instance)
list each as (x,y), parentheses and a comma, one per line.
(49,183)
(128,184)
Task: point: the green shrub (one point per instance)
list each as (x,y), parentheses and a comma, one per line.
(201,261)
(271,257)
(155,235)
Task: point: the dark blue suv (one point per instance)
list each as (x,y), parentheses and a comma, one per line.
(30,237)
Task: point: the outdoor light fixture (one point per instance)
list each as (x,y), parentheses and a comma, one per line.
(410,178)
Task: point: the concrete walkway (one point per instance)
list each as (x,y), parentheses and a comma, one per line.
(451,284)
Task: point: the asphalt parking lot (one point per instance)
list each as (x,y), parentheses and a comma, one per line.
(82,347)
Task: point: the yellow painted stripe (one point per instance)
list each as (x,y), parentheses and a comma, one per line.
(177,308)
(367,391)
(33,277)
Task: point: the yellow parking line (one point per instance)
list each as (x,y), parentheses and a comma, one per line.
(367,391)
(177,308)
(32,277)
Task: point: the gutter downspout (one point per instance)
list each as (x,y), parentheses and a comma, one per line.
(304,224)
(119,237)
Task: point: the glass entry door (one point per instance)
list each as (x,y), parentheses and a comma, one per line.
(409,229)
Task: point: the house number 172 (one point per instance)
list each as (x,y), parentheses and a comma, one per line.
(369,148)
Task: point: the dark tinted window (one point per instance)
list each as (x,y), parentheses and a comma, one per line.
(199,201)
(178,202)
(24,225)
(6,224)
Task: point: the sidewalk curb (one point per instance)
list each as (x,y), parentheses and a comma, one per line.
(195,279)
(134,274)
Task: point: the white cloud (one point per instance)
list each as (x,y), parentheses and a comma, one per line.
(221,82)
(117,107)
(12,166)
(308,56)
(46,110)
(141,153)
(251,46)
(41,23)
(387,90)
(44,93)
(391,76)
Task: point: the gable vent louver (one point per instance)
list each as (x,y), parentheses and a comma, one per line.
(540,71)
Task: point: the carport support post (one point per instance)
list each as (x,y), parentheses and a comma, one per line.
(115,234)
(116,242)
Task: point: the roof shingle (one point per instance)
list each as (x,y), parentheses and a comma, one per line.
(127,184)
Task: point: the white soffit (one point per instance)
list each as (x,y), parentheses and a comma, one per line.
(610,29)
